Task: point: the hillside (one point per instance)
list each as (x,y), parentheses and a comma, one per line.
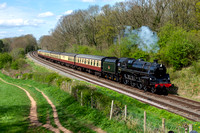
(187,80)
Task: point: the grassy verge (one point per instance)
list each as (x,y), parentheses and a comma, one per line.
(71,114)
(188,81)
(80,118)
(135,113)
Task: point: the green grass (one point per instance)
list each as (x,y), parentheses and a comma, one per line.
(154,115)
(77,118)
(69,111)
(188,81)
(14,109)
(37,68)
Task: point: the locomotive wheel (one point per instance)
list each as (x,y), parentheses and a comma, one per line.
(133,84)
(126,81)
(140,86)
(153,90)
(145,88)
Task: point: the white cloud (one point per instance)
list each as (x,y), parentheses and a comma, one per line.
(3,32)
(20,30)
(88,0)
(68,12)
(20,22)
(2,6)
(45,14)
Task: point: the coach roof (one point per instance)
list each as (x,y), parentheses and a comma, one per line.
(46,51)
(56,53)
(68,54)
(94,57)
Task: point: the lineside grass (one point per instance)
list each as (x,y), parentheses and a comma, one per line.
(154,115)
(188,81)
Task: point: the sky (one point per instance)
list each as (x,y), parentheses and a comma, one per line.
(38,17)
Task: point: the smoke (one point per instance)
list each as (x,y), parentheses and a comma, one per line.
(147,40)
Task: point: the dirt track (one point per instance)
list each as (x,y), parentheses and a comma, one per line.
(33,113)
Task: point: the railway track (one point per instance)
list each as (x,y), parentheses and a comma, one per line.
(172,103)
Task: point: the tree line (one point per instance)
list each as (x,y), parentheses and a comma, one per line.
(93,30)
(13,50)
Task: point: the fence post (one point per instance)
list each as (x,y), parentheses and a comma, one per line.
(163,125)
(70,89)
(81,98)
(111,110)
(186,128)
(190,127)
(125,112)
(145,118)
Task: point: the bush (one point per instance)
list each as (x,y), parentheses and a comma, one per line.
(5,58)
(18,64)
(60,80)
(18,53)
(178,47)
(14,65)
(27,76)
(139,54)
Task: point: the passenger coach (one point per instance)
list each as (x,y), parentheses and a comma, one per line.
(90,63)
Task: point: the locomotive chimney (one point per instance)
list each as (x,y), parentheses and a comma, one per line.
(155,61)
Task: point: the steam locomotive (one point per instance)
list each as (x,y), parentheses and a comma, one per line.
(138,73)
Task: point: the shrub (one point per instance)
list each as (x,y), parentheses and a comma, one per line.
(27,76)
(139,54)
(18,53)
(178,46)
(4,59)
(18,64)
(14,65)
(60,80)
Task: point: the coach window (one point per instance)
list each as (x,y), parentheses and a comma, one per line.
(99,63)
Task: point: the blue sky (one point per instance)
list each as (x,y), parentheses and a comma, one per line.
(38,17)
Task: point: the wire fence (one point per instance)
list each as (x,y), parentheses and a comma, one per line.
(138,119)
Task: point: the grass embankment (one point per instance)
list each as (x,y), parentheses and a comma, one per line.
(135,113)
(188,81)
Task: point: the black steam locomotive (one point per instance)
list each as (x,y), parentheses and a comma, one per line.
(137,73)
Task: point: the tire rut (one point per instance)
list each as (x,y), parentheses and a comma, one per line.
(33,112)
